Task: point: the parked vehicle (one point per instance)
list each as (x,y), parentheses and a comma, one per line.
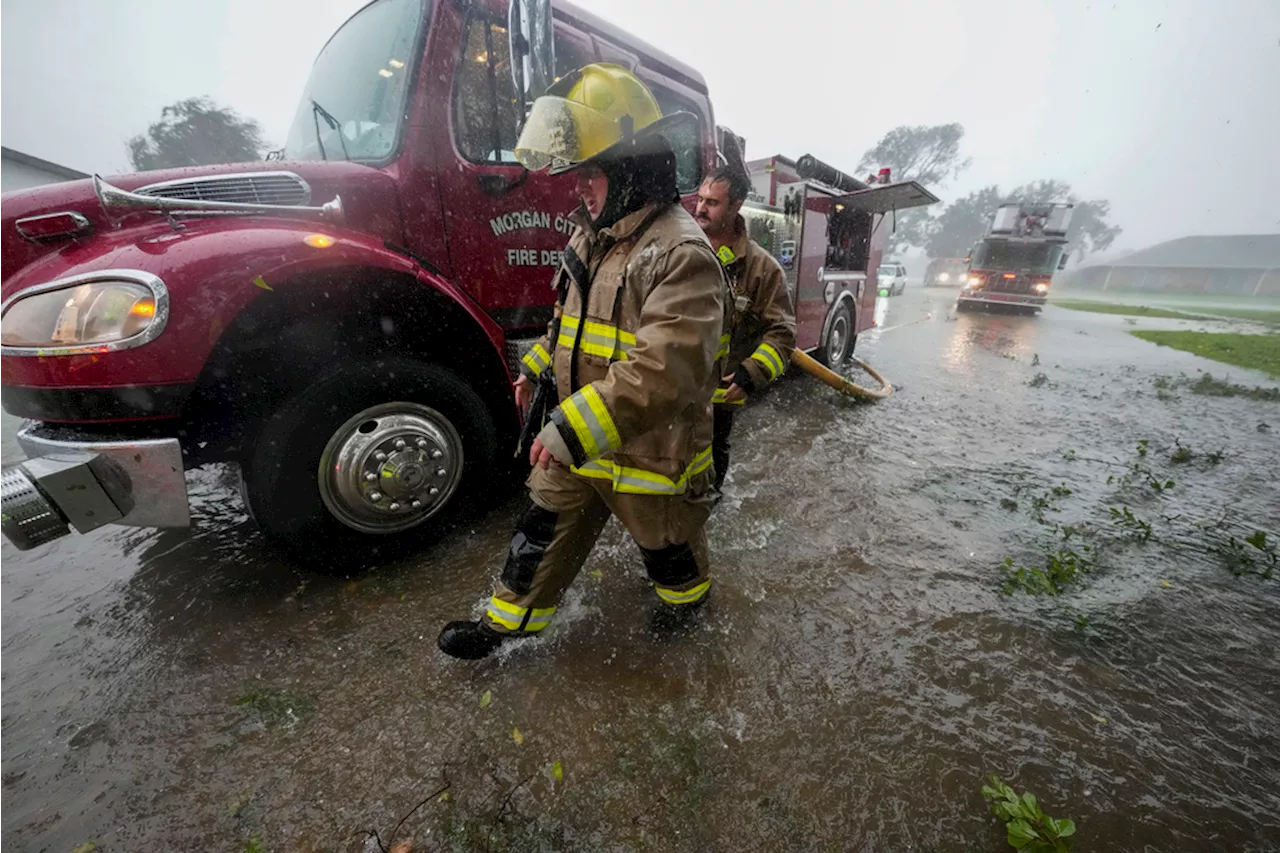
(830,224)
(892,277)
(343,322)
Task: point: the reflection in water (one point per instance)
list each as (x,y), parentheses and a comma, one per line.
(852,680)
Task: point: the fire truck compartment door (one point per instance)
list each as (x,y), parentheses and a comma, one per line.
(887,197)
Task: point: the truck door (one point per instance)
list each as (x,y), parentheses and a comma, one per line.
(506,227)
(881,204)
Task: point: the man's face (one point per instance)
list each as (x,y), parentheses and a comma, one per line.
(592,187)
(715,212)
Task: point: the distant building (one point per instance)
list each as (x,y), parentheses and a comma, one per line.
(22,171)
(1237,264)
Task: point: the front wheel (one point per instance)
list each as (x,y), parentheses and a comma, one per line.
(838,346)
(373,456)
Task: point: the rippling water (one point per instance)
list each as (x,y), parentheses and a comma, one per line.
(854,678)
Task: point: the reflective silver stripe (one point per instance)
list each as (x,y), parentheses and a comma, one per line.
(770,359)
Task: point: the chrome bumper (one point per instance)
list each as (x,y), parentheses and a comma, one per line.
(1003,298)
(152,469)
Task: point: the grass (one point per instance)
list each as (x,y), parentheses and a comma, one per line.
(1256,352)
(1128,310)
(1255,314)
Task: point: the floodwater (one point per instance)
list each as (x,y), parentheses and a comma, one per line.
(854,678)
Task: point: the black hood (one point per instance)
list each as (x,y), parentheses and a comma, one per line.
(643,174)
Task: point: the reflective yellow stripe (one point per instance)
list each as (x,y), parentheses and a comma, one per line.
(506,614)
(536,359)
(718,397)
(670,596)
(599,339)
(511,616)
(724,347)
(590,419)
(767,356)
(596,402)
(539,619)
(576,422)
(637,481)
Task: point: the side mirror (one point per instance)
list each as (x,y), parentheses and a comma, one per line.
(1062,261)
(533,53)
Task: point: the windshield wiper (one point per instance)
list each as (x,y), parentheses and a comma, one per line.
(318,112)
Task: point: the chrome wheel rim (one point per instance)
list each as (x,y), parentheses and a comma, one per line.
(390,468)
(838,339)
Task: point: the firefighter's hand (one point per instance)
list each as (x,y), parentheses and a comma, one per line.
(733,393)
(524,393)
(539,456)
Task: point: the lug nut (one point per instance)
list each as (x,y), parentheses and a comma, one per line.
(440,472)
(416,504)
(436,454)
(375,496)
(371,478)
(380,456)
(422,444)
(433,491)
(394,506)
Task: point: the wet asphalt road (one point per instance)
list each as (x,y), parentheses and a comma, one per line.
(856,675)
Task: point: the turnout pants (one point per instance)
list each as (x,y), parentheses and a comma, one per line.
(561,523)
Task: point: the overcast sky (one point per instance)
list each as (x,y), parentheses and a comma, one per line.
(1169,109)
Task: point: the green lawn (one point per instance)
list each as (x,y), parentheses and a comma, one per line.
(1255,314)
(1128,310)
(1259,352)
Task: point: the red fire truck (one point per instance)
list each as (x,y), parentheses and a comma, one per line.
(1012,266)
(342,320)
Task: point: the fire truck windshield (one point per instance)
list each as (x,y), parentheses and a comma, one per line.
(1031,257)
(361,78)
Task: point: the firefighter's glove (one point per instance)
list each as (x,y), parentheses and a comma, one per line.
(742,378)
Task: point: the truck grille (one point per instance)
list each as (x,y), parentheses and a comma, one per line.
(998,284)
(249,188)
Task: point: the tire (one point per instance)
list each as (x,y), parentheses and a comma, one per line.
(313,482)
(840,339)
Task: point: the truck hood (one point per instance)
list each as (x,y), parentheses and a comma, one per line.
(369,199)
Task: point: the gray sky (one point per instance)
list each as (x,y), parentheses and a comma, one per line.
(1169,109)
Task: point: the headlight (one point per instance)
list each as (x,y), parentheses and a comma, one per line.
(974,281)
(87,313)
(1042,287)
(944,276)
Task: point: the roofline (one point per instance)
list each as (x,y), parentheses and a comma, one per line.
(1261,267)
(44,165)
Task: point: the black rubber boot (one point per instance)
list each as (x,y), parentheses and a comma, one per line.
(469,640)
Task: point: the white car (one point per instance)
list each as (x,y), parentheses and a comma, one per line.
(891,277)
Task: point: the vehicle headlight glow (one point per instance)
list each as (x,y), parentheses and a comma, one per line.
(92,313)
(944,276)
(1042,287)
(974,281)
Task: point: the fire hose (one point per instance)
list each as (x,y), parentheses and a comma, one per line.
(811,366)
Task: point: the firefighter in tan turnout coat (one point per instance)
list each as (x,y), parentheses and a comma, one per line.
(763,324)
(636,347)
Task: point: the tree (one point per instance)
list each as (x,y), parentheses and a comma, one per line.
(196,132)
(928,154)
(965,220)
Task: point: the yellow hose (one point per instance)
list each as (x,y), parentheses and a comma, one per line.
(809,365)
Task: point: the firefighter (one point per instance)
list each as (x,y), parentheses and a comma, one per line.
(763,324)
(636,347)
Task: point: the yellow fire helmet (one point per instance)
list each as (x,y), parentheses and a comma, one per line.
(586,114)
